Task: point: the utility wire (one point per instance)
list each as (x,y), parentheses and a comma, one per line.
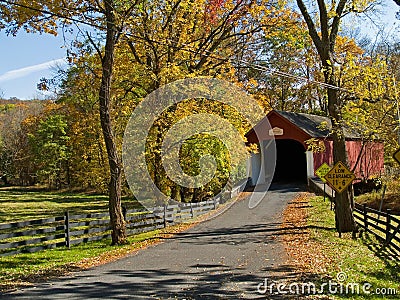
(210,53)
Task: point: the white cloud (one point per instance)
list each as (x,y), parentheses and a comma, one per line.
(18,73)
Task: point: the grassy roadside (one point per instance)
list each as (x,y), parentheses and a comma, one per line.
(25,269)
(316,250)
(28,204)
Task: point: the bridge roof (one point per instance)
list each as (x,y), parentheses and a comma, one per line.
(314,125)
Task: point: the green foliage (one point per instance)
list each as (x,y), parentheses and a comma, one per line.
(50,149)
(195,147)
(6,107)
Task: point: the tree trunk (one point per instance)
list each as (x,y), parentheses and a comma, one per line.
(116,217)
(324,41)
(344,218)
(175,192)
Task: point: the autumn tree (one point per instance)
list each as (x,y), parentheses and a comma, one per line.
(42,16)
(289,52)
(78,92)
(172,40)
(167,39)
(324,32)
(16,161)
(107,61)
(373,107)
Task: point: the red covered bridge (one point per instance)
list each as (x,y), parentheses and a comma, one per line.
(294,162)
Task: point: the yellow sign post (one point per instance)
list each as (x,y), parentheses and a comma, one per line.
(396,156)
(339,177)
(322,171)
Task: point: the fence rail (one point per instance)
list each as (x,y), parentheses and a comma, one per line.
(384,225)
(64,231)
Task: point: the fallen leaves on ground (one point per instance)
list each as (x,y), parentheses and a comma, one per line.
(304,254)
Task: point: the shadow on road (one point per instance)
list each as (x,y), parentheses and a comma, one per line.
(169,284)
(200,281)
(227,257)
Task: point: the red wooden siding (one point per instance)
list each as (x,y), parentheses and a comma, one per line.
(370,163)
(372,158)
(327,156)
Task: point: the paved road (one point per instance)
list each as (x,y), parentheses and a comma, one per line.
(224,258)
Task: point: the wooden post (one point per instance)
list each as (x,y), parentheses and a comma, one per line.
(173,215)
(381,204)
(215,202)
(124,212)
(178,214)
(191,210)
(388,220)
(393,234)
(365,217)
(383,197)
(165,214)
(67,235)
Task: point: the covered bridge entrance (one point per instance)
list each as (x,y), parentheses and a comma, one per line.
(293,161)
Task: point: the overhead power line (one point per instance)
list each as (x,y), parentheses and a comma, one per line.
(192,50)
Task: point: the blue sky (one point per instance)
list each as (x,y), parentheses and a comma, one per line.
(26,58)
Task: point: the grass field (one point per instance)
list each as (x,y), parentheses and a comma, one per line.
(27,268)
(20,204)
(25,204)
(362,260)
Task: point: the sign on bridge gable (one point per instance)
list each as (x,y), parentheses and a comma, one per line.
(322,171)
(339,177)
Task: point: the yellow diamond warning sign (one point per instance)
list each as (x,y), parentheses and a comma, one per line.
(322,171)
(396,156)
(339,177)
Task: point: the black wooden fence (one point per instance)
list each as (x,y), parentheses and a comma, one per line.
(67,230)
(384,225)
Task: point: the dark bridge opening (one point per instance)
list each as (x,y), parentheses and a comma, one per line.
(291,165)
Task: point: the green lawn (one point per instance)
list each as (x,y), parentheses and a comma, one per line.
(23,269)
(27,204)
(17,205)
(362,260)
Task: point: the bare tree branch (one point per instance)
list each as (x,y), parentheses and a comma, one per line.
(311,26)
